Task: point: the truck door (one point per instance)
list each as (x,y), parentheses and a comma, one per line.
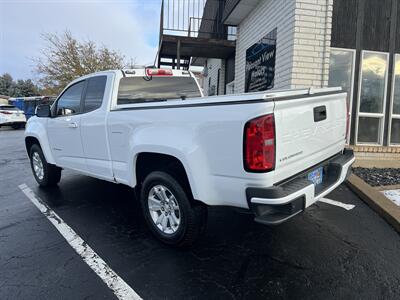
(93,126)
(64,130)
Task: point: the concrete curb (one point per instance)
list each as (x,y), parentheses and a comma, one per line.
(376,200)
(387,187)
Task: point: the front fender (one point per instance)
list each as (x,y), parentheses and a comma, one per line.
(36,127)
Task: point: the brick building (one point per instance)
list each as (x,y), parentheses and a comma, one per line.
(253,45)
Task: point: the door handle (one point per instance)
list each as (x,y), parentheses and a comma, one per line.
(73,125)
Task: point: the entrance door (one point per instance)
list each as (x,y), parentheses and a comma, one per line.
(372,98)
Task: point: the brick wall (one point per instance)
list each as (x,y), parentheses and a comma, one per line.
(303,41)
(313,24)
(377,152)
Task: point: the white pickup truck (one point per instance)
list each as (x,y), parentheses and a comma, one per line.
(271,153)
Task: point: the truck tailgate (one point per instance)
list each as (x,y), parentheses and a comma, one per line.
(309,130)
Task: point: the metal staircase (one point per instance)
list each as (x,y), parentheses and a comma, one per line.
(192,28)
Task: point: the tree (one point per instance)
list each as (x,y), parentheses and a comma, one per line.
(65,59)
(21,88)
(25,88)
(6,84)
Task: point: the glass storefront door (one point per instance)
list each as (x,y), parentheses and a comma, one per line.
(372,97)
(341,72)
(395,112)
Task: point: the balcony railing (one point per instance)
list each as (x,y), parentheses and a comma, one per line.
(187,18)
(193,29)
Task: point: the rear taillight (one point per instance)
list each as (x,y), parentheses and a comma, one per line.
(5,112)
(259,144)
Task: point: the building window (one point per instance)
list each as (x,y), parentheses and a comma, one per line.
(341,72)
(372,97)
(231,33)
(395,113)
(395,132)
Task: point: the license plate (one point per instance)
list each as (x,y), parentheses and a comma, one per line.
(316,176)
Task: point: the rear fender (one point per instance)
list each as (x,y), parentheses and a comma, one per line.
(166,141)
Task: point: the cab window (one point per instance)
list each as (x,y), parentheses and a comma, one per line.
(95,93)
(70,101)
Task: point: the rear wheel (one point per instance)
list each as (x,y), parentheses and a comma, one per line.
(45,174)
(171,215)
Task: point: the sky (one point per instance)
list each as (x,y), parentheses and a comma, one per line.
(128,26)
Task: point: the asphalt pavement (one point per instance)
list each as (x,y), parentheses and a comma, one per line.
(327,252)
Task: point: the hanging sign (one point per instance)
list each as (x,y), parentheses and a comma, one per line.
(260,64)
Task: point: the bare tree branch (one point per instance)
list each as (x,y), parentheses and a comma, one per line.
(64,59)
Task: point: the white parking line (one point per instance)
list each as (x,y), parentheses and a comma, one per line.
(120,288)
(337,203)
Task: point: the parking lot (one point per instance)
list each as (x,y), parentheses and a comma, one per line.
(327,252)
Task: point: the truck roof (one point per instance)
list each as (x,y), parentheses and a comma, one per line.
(138,72)
(167,72)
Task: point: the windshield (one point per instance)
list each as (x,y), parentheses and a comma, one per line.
(139,89)
(9,108)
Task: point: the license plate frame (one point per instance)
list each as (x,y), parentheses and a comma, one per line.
(316,176)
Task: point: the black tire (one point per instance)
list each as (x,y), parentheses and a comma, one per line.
(51,173)
(193,216)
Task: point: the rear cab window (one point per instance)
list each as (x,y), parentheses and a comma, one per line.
(94,93)
(137,89)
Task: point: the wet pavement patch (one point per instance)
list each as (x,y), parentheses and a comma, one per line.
(327,252)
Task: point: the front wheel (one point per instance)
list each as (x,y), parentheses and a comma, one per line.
(44,173)
(168,211)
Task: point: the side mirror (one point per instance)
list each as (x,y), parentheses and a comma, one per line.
(43,111)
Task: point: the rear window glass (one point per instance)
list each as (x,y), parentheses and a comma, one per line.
(140,90)
(9,107)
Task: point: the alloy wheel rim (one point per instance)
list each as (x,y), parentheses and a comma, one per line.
(37,165)
(164,209)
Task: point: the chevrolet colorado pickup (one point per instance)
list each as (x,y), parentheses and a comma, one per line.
(271,153)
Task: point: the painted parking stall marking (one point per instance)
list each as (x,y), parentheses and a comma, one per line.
(120,288)
(337,203)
